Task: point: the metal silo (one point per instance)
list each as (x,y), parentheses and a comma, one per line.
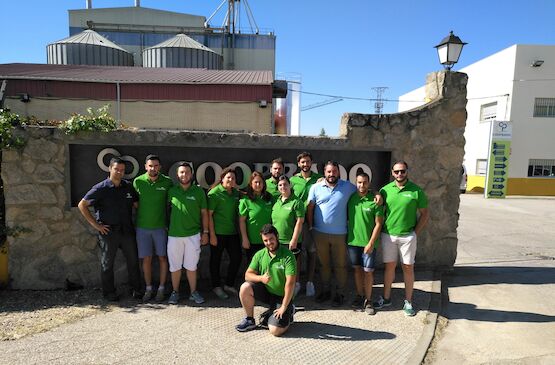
(181,51)
(88,48)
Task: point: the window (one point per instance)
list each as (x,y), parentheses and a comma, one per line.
(538,167)
(488,112)
(481,166)
(544,107)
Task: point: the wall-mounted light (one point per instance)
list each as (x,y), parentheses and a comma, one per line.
(537,63)
(262,103)
(24,98)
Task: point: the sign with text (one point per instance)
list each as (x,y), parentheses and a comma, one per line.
(497,177)
(89,163)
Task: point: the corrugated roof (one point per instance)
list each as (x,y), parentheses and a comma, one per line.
(90,37)
(181,41)
(138,75)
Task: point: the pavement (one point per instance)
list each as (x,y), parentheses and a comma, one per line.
(499,299)
(188,333)
(495,307)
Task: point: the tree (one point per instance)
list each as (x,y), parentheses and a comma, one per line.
(322,133)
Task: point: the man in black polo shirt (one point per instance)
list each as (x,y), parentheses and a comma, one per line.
(113,201)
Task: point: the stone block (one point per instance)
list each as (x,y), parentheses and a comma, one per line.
(48,174)
(11,155)
(72,255)
(29,194)
(12,174)
(28,165)
(40,149)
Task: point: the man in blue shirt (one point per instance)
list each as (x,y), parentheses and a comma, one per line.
(327,218)
(113,200)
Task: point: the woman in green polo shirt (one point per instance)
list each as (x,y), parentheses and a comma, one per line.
(223,201)
(255,210)
(288,217)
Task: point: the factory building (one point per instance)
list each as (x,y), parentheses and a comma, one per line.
(150,98)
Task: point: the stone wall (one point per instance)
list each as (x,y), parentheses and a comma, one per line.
(60,243)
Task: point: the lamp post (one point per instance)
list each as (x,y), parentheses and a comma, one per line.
(449,50)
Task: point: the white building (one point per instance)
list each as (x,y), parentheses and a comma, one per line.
(516,84)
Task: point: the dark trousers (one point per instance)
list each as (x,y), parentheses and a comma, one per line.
(252,250)
(109,244)
(232,245)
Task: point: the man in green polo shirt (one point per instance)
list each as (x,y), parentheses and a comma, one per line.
(188,230)
(270,278)
(277,167)
(300,185)
(406,214)
(365,219)
(152,188)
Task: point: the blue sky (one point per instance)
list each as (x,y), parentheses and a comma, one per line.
(340,48)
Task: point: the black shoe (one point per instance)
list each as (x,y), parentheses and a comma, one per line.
(264,317)
(323,296)
(137,295)
(111,297)
(338,300)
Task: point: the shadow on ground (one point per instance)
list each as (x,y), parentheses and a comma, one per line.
(479,275)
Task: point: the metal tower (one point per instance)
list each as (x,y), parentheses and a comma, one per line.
(378,104)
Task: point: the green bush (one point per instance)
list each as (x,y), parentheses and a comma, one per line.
(8,122)
(99,120)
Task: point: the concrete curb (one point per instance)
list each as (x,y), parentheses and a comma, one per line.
(418,354)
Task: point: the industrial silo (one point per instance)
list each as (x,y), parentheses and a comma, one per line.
(181,51)
(88,48)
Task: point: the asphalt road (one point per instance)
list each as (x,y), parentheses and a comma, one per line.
(499,301)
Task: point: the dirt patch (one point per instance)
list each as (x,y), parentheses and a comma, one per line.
(27,312)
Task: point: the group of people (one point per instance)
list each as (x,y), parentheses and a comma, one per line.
(273,220)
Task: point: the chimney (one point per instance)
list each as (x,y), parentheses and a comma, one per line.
(89,4)
(138,3)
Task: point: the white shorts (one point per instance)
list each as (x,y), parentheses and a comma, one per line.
(392,246)
(184,252)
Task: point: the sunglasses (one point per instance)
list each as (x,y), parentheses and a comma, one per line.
(397,172)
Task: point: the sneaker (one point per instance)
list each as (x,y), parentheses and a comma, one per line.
(357,302)
(247,324)
(264,317)
(148,295)
(381,302)
(160,295)
(297,288)
(231,289)
(310,291)
(174,298)
(220,293)
(407,308)
(338,300)
(196,297)
(323,296)
(368,307)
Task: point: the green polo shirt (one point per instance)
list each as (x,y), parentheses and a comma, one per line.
(362,213)
(152,200)
(258,213)
(186,205)
(271,187)
(281,265)
(401,206)
(300,186)
(224,206)
(284,217)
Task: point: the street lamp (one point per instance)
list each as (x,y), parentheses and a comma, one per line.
(449,50)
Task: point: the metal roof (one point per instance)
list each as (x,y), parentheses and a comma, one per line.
(181,41)
(136,75)
(89,37)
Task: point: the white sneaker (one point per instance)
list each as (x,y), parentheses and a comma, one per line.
(297,288)
(231,290)
(310,291)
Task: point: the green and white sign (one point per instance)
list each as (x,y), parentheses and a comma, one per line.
(497,177)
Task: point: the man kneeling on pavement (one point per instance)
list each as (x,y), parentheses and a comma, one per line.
(270,278)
